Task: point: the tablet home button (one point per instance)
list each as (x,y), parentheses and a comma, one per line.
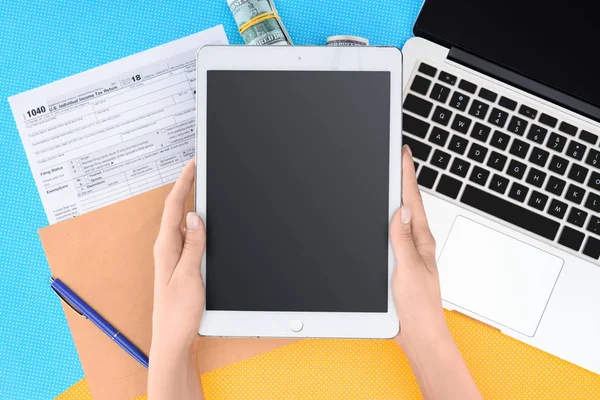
(296,325)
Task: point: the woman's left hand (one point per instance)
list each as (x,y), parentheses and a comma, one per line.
(179,296)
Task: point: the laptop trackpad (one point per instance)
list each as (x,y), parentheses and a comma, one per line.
(497,277)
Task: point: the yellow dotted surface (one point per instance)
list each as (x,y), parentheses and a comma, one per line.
(503,368)
(78,391)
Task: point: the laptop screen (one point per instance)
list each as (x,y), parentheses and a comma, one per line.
(552,44)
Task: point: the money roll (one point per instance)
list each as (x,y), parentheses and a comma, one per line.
(347,40)
(259,23)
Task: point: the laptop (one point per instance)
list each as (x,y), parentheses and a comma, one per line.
(502,113)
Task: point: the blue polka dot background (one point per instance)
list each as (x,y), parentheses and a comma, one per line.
(42,41)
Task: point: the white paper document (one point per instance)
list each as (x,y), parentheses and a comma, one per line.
(115,131)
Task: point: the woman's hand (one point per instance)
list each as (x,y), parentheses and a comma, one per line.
(415,282)
(179,297)
(424,336)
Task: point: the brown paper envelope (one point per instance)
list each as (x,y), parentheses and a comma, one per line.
(105,257)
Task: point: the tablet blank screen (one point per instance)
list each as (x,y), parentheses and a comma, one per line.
(297,190)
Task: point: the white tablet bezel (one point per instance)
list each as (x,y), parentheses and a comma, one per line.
(295,58)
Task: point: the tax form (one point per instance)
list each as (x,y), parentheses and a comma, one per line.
(115,131)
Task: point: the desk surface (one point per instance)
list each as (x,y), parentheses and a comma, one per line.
(44,41)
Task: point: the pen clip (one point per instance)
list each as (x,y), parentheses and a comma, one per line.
(71,306)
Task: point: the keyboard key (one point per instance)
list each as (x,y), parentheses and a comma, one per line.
(414,125)
(510,212)
(438,136)
(459,101)
(594,225)
(498,117)
(479,175)
(536,177)
(548,120)
(527,111)
(593,158)
(419,149)
(417,105)
(461,124)
(538,200)
(571,238)
(449,186)
(499,184)
(460,167)
(517,125)
(555,186)
(480,132)
(427,177)
(592,248)
(588,137)
(487,94)
(416,164)
(478,109)
(558,165)
(539,156)
(497,161)
(500,140)
(427,69)
(593,202)
(507,103)
(519,148)
(439,93)
(577,217)
(575,194)
(468,86)
(420,85)
(477,152)
(557,209)
(447,78)
(516,169)
(557,142)
(567,128)
(458,144)
(537,133)
(576,150)
(518,192)
(578,173)
(441,115)
(594,181)
(440,159)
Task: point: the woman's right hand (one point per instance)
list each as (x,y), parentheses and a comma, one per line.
(424,336)
(415,282)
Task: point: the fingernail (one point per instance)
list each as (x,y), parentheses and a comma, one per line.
(405,215)
(192,222)
(408,149)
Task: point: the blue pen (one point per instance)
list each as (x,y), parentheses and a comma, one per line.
(80,307)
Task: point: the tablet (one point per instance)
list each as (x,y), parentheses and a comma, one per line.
(298,175)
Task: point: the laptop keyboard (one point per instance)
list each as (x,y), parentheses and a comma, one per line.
(480,149)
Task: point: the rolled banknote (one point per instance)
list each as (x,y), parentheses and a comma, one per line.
(346,40)
(258,22)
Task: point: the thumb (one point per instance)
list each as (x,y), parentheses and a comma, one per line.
(401,234)
(193,246)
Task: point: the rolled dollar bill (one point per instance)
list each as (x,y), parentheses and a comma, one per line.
(347,40)
(258,22)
